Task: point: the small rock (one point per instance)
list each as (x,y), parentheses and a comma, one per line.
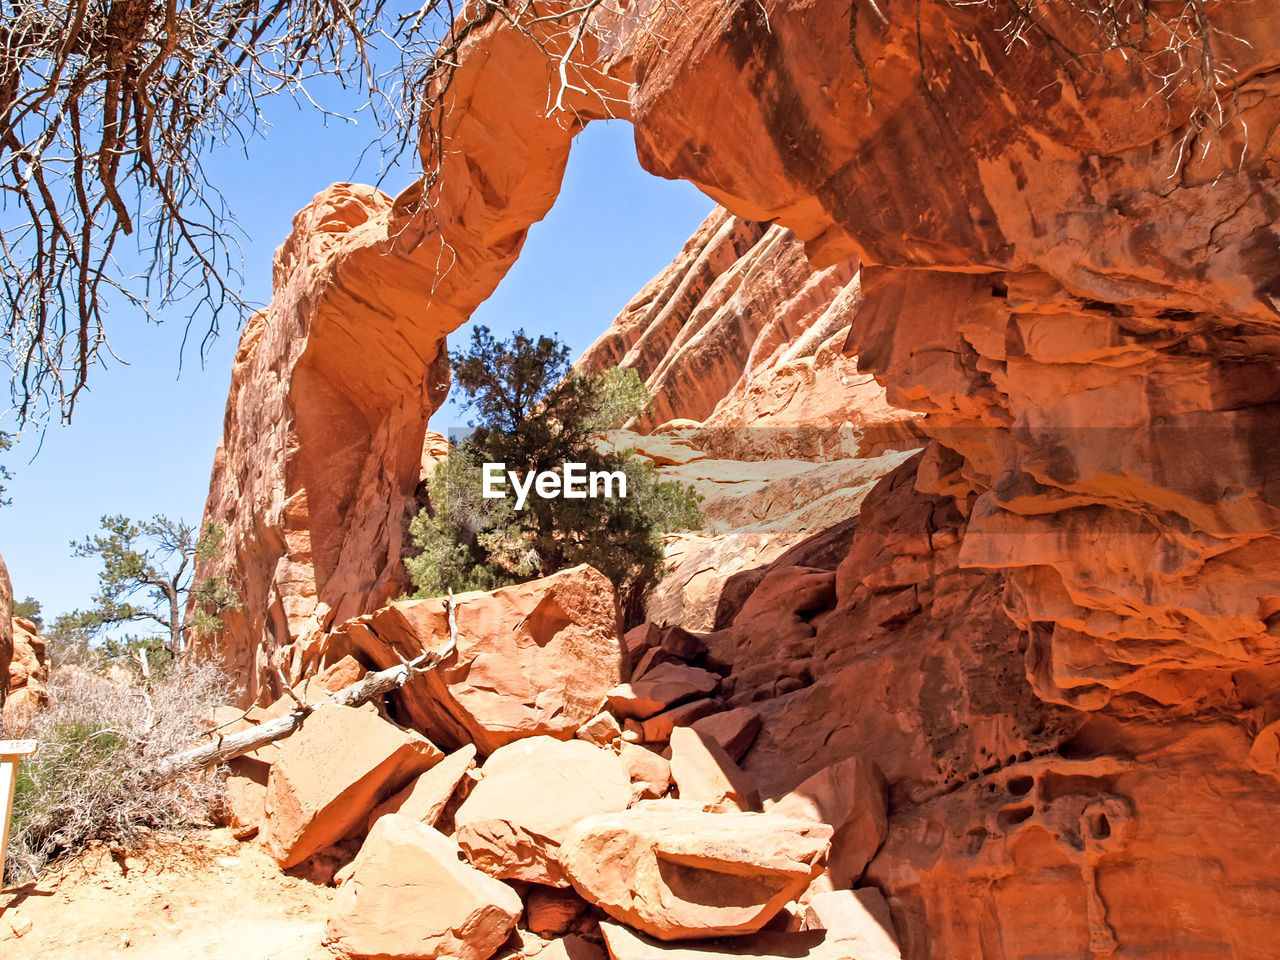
(657,729)
(660,688)
(425,799)
(682,643)
(650,774)
(601,730)
(653,657)
(735,730)
(705,774)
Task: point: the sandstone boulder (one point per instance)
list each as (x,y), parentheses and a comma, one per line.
(425,799)
(672,870)
(534,659)
(860,917)
(637,641)
(1264,754)
(601,730)
(626,944)
(682,643)
(706,775)
(849,796)
(531,794)
(407,894)
(735,730)
(657,729)
(652,658)
(331,679)
(246,796)
(659,688)
(650,773)
(332,773)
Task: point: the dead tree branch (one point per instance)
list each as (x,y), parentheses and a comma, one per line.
(369,688)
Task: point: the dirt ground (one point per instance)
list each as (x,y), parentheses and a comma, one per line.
(199,895)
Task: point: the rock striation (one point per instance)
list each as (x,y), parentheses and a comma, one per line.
(1055,631)
(6,629)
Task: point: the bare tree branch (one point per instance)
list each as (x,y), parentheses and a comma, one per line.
(371,687)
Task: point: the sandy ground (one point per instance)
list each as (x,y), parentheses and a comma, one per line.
(201,895)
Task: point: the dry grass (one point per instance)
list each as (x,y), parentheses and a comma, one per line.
(97,737)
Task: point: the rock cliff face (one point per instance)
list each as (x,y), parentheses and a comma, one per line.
(742,335)
(333,383)
(28,684)
(1074,287)
(1056,630)
(6,629)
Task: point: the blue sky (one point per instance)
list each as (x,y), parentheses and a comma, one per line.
(143,438)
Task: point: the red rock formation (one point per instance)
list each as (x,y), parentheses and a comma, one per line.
(534,659)
(6,629)
(1056,631)
(333,383)
(744,336)
(28,676)
(1098,334)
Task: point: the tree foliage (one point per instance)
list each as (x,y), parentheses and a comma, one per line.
(147,577)
(29,609)
(537,413)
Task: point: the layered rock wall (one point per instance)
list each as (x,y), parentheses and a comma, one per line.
(1056,629)
(6,629)
(744,336)
(1073,285)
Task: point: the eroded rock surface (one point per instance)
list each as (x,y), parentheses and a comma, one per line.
(410,895)
(6,629)
(1055,630)
(671,870)
(534,659)
(28,683)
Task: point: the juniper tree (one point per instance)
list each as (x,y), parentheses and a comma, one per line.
(147,577)
(536,413)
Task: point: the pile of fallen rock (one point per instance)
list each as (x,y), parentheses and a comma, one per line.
(635,831)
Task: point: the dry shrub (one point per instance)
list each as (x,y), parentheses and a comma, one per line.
(98,737)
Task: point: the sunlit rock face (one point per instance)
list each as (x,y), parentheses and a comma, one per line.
(314,479)
(6,629)
(1072,282)
(1055,628)
(1078,286)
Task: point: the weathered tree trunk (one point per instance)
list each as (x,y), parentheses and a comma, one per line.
(370,687)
